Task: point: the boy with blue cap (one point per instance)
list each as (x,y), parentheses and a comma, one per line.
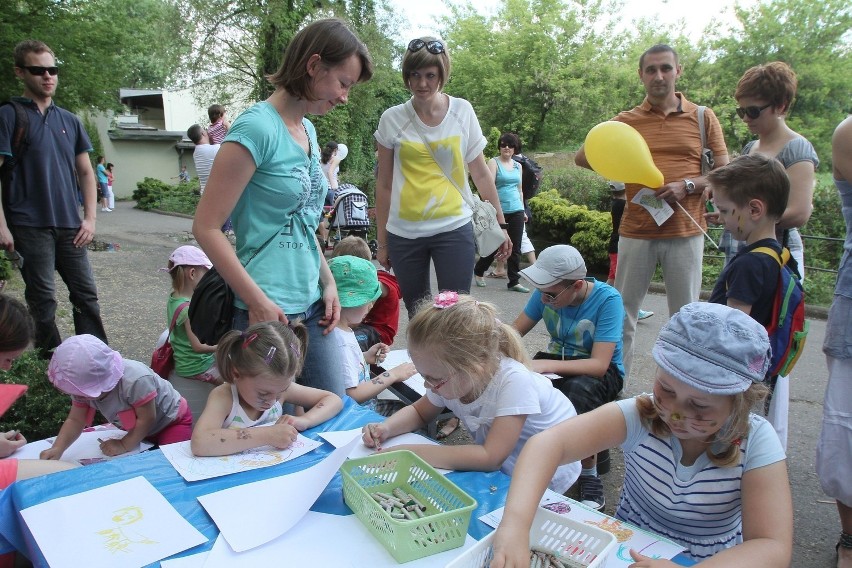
(358,287)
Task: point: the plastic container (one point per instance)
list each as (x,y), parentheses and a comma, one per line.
(448,508)
(577,544)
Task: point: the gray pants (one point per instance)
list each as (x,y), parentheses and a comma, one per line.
(453,254)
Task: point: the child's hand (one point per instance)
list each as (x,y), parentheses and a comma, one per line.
(113,447)
(511,548)
(373,435)
(376,354)
(648,562)
(402,372)
(10,442)
(281,434)
(50,454)
(300,423)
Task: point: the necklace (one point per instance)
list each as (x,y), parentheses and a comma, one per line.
(563,337)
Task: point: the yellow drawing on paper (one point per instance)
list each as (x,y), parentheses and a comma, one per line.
(651,201)
(622,534)
(119,538)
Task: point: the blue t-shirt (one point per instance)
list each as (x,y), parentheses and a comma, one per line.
(102,175)
(507,187)
(284,197)
(43,187)
(574,330)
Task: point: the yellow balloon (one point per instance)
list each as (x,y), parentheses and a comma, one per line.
(618,152)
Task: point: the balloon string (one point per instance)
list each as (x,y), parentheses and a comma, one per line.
(697,225)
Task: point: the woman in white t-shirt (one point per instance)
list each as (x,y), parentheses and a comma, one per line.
(421,216)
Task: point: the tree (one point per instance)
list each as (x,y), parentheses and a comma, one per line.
(100,46)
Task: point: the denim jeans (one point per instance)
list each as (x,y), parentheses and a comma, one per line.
(323,368)
(46,249)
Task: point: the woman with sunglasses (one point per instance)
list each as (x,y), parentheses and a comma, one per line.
(267,178)
(421,216)
(764,95)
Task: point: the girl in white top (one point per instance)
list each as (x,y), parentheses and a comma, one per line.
(258,366)
(475,365)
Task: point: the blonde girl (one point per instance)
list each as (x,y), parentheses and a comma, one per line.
(475,365)
(700,469)
(259,366)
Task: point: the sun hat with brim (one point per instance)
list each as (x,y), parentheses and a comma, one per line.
(357,280)
(554,264)
(9,394)
(713,348)
(188,255)
(83,365)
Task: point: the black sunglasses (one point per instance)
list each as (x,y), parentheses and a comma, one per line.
(434,47)
(40,71)
(751,111)
(506,145)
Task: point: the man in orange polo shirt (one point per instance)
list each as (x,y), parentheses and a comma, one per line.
(669,124)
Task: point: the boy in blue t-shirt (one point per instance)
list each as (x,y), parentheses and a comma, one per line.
(750,196)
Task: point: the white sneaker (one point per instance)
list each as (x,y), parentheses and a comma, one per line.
(105,209)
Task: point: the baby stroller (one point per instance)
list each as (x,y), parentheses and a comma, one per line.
(349,215)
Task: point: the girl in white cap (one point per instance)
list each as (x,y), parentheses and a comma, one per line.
(700,468)
(259,366)
(127,393)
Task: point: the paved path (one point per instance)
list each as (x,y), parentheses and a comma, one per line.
(133,295)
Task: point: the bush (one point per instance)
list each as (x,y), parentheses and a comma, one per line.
(559,221)
(155,194)
(42,410)
(5,268)
(578,185)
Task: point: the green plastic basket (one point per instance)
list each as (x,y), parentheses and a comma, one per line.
(448,508)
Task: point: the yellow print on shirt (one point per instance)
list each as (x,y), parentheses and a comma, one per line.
(426,193)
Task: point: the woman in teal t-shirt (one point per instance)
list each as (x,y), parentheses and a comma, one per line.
(268,179)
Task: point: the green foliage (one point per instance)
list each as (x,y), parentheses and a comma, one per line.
(826,221)
(43,409)
(578,185)
(95,137)
(559,221)
(155,194)
(5,268)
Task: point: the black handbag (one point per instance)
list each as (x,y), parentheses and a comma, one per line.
(211,309)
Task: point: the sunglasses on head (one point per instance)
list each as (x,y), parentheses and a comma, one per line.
(751,111)
(434,47)
(40,71)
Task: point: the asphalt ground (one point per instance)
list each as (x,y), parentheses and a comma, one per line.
(133,295)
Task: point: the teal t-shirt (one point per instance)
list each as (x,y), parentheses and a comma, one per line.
(102,175)
(507,181)
(188,363)
(284,197)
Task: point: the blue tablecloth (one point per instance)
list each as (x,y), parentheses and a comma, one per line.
(183,495)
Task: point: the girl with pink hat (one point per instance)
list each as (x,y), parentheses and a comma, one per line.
(127,393)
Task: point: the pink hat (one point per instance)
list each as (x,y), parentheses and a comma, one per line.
(83,365)
(188,255)
(9,394)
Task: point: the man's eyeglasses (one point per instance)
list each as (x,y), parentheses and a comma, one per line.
(434,47)
(752,111)
(549,298)
(39,71)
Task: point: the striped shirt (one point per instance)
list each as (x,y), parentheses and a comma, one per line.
(698,506)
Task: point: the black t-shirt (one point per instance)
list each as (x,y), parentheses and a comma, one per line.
(750,278)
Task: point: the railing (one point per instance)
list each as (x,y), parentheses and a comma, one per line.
(804,239)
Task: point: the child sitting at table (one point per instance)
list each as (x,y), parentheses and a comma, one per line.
(259,366)
(127,393)
(358,287)
(475,365)
(382,321)
(700,469)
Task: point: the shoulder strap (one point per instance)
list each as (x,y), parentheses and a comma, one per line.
(177,313)
(409,107)
(781,260)
(19,133)
(701,127)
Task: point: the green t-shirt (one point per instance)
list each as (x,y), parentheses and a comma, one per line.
(188,363)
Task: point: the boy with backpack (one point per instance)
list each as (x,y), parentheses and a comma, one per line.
(750,195)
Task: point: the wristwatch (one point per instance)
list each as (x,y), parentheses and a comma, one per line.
(690,186)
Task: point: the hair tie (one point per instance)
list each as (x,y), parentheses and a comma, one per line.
(446,300)
(247,340)
(269,355)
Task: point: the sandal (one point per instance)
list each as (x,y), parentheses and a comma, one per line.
(447,428)
(844,542)
(493,274)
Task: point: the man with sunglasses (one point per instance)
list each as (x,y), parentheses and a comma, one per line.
(669,124)
(584,318)
(40,219)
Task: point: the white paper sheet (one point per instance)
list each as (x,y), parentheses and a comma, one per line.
(342,437)
(628,536)
(659,209)
(396,358)
(191,561)
(307,544)
(123,525)
(194,468)
(85,450)
(255,513)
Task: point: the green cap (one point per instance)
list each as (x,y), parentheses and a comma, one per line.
(357,280)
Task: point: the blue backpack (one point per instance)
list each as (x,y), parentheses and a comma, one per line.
(788,328)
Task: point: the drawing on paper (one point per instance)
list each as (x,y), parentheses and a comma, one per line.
(558,507)
(651,201)
(623,553)
(622,533)
(120,538)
